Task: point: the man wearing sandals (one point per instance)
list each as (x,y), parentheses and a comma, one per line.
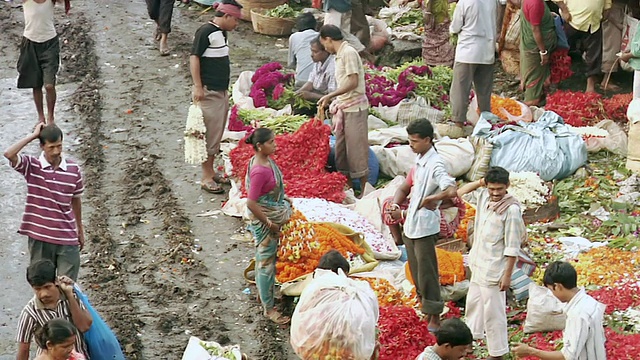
(210,71)
(161,12)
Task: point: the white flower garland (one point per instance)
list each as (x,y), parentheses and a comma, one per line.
(528,188)
(195,145)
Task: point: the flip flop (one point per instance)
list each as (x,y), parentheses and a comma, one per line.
(221,179)
(212,188)
(278,318)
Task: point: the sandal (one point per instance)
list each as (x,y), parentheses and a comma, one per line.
(278,318)
(221,179)
(212,188)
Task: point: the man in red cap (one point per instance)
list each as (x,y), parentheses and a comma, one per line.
(210,71)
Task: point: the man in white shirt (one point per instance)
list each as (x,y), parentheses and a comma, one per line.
(474,22)
(583,336)
(300,48)
(39,59)
(431,185)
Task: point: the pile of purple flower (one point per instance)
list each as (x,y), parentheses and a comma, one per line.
(269,84)
(383,91)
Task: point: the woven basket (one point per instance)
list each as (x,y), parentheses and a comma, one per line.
(247,5)
(266,25)
(452,245)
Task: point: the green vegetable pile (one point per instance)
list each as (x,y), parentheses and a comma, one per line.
(289,97)
(409,18)
(282,124)
(283,11)
(225,352)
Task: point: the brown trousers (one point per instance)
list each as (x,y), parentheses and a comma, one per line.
(465,75)
(423,264)
(161,11)
(215,106)
(352,145)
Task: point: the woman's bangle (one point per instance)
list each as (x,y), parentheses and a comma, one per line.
(543,53)
(402,214)
(395,206)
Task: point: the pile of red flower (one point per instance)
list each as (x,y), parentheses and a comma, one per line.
(616,106)
(301,156)
(402,334)
(268,84)
(560,66)
(618,298)
(576,108)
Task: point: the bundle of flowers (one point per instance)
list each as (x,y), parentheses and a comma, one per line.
(235,121)
(302,244)
(322,210)
(528,188)
(246,119)
(308,149)
(619,297)
(402,335)
(509,105)
(269,84)
(450,267)
(387,294)
(605,266)
(588,132)
(576,108)
(616,106)
(560,66)
(469,216)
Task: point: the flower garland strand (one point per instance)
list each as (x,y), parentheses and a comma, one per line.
(195,145)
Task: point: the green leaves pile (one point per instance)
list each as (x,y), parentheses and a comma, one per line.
(282,124)
(410,17)
(283,11)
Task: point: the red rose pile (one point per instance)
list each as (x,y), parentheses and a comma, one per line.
(616,106)
(576,108)
(301,156)
(560,66)
(402,334)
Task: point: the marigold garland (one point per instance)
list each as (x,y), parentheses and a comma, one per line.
(509,105)
(302,244)
(450,267)
(387,293)
(470,214)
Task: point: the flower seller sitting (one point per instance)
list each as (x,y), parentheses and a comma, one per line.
(322,78)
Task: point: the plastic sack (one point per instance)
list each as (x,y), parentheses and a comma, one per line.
(525,112)
(335,318)
(544,311)
(241,89)
(202,350)
(547,147)
(563,42)
(408,110)
(458,155)
(102,343)
(615,141)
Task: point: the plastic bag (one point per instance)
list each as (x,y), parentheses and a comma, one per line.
(458,155)
(544,311)
(204,350)
(335,318)
(628,32)
(547,147)
(616,141)
(102,343)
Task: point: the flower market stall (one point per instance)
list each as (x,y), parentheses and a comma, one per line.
(580,203)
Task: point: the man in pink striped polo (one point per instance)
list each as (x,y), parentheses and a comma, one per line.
(52,217)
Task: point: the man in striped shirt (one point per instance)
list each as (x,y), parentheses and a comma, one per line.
(52,217)
(54,299)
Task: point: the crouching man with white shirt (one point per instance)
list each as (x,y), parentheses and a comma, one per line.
(583,336)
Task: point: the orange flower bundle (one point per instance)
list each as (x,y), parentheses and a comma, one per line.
(510,105)
(450,267)
(302,244)
(469,215)
(387,294)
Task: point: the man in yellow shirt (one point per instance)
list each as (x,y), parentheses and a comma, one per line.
(584,19)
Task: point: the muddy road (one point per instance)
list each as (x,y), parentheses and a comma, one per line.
(123,109)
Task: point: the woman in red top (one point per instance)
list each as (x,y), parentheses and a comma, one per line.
(538,39)
(269,210)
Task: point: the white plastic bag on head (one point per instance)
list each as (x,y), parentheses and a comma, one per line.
(335,318)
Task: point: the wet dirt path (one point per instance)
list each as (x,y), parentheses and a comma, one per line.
(142,201)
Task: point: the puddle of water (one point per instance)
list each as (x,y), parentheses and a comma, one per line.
(18,119)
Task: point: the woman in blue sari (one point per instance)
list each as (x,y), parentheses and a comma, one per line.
(269,209)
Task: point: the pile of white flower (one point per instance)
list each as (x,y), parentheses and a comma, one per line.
(631,317)
(195,145)
(528,188)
